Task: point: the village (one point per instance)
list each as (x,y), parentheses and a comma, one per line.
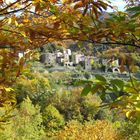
(70,59)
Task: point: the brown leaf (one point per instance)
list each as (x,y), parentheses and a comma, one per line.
(56,24)
(37,7)
(79,5)
(1,1)
(32,34)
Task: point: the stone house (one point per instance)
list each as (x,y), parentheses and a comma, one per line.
(88,63)
(77,58)
(49,59)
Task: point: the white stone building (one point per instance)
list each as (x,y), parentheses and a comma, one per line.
(50,59)
(88,63)
(76,58)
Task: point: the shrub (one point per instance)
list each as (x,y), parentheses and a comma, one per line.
(26,124)
(105,114)
(100,130)
(89,106)
(68,103)
(73,106)
(87,75)
(52,119)
(59,77)
(35,86)
(130,130)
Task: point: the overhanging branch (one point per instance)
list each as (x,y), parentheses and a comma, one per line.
(6,47)
(39,14)
(15,11)
(10,5)
(7,30)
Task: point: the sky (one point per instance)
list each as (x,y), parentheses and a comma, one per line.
(119,3)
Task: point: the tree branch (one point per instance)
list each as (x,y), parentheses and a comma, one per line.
(39,14)
(9,31)
(9,5)
(15,11)
(6,47)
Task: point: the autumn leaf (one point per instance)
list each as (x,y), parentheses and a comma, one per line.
(78,5)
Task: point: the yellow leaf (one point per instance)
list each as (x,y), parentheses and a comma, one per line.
(9,21)
(26,20)
(23,33)
(130,113)
(65,1)
(16,23)
(137,109)
(9,89)
(53,17)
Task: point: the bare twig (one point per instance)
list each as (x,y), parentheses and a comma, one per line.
(10,5)
(9,31)
(15,11)
(39,14)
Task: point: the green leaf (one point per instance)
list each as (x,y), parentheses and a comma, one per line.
(136,8)
(136,14)
(73,30)
(137,117)
(114,88)
(82,82)
(100,78)
(86,90)
(135,11)
(96,88)
(117,82)
(53,9)
(130,48)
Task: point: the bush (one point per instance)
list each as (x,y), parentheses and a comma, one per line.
(130,130)
(52,120)
(26,124)
(87,75)
(105,114)
(75,107)
(89,106)
(35,86)
(100,130)
(68,103)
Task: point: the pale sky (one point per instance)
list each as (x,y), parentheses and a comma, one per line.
(119,3)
